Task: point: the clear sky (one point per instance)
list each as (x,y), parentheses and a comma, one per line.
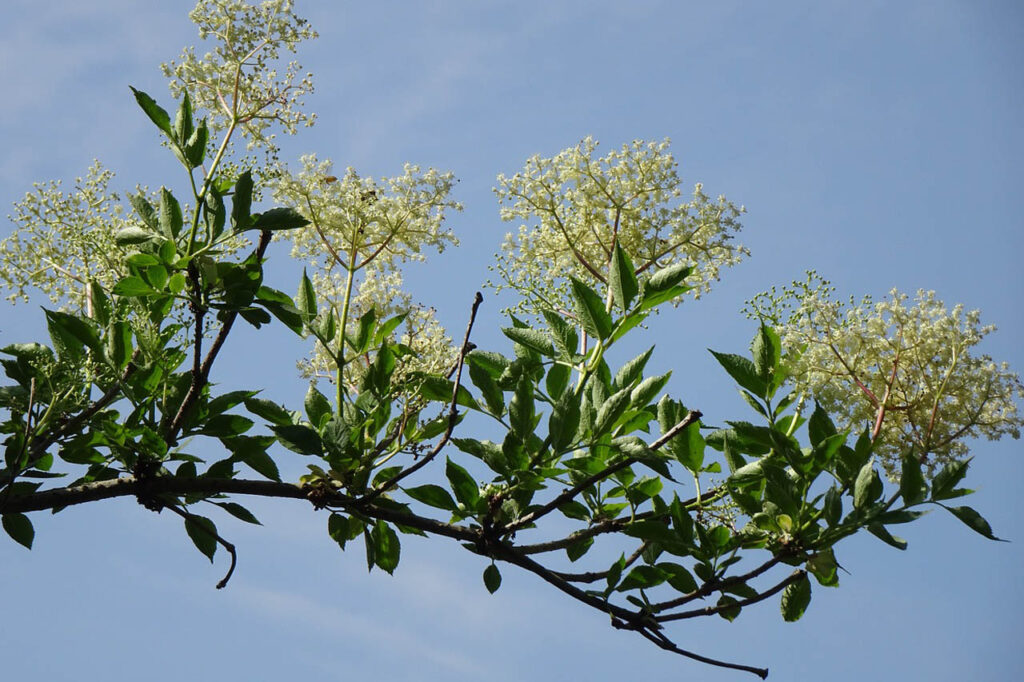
(876,142)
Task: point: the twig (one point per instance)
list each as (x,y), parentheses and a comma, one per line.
(665,643)
(453,415)
(712,610)
(714,585)
(221,541)
(569,494)
(195,388)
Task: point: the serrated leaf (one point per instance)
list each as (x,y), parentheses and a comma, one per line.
(203,533)
(974,521)
(667,278)
(241,202)
(944,483)
(269,410)
(387,547)
(317,405)
(19,527)
(278,219)
(239,512)
(305,300)
(299,438)
(564,421)
(913,488)
(170,214)
(463,485)
(622,278)
(867,488)
(590,310)
(154,111)
(531,338)
(742,371)
(433,496)
(795,599)
(492,578)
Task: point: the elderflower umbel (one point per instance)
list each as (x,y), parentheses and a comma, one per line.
(906,370)
(365,227)
(65,240)
(237,81)
(577,207)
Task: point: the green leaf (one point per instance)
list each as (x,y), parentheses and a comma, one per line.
(641,577)
(183,120)
(531,338)
(269,410)
(19,527)
(521,409)
(974,521)
(820,425)
(590,310)
(944,483)
(84,332)
(367,325)
(867,488)
(494,398)
(913,488)
(564,421)
(632,370)
(146,212)
(241,202)
(610,411)
(387,548)
(279,219)
(795,599)
(299,438)
(767,351)
(492,578)
(824,568)
(258,459)
(170,214)
(688,447)
(647,389)
(156,114)
(743,372)
(317,405)
(203,533)
(880,532)
(667,278)
(463,485)
(132,286)
(305,300)
(432,495)
(239,512)
(622,278)
(195,145)
(567,341)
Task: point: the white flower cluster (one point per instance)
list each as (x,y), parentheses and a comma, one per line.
(433,351)
(358,221)
(237,81)
(578,207)
(361,229)
(906,370)
(64,240)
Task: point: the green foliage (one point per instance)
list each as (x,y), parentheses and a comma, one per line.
(587,455)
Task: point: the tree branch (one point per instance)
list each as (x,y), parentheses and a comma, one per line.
(453,415)
(569,494)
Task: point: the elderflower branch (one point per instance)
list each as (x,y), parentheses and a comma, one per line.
(918,355)
(577,208)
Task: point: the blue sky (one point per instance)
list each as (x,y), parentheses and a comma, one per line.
(878,143)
